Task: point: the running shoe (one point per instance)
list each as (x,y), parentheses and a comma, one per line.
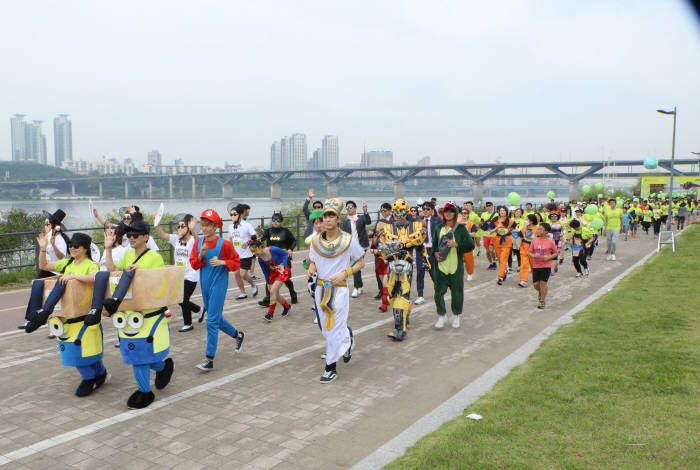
(522,284)
(612,258)
(469,277)
(254,277)
(239,341)
(586,272)
(268,317)
(293,296)
(264,302)
(540,304)
(328,376)
(186,328)
(440,322)
(255,291)
(578,275)
(206,365)
(455,321)
(419,301)
(500,281)
(242,296)
(201,315)
(286,311)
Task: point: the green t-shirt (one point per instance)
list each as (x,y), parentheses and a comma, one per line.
(613,218)
(87,266)
(488,216)
(150,260)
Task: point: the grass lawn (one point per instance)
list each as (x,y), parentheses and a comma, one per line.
(17,279)
(617,388)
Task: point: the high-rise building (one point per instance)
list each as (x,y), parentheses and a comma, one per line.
(36,148)
(155,159)
(18,130)
(377,158)
(329,152)
(298,152)
(285,161)
(276,156)
(425,161)
(62,139)
(314,161)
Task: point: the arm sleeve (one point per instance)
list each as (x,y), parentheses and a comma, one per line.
(280,256)
(305,209)
(266,235)
(368,218)
(229,254)
(194,257)
(292,239)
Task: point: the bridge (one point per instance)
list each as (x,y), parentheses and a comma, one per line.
(476,174)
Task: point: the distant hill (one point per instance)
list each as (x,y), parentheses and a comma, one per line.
(30,171)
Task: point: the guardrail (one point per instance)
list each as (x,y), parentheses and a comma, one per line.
(27,252)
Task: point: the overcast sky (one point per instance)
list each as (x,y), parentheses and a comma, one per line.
(465,80)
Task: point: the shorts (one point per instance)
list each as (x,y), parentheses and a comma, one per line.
(488,241)
(541,274)
(283,276)
(246,263)
(381,266)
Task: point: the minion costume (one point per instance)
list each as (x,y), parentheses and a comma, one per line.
(333,302)
(144,337)
(450,271)
(394,243)
(79,343)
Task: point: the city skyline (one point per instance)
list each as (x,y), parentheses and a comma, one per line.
(459,81)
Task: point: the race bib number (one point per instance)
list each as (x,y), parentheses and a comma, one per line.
(113,282)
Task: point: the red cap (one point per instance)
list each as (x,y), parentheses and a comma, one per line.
(212,216)
(450,206)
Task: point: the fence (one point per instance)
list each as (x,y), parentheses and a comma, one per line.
(27,251)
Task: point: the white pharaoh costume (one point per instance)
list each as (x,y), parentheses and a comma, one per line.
(333,303)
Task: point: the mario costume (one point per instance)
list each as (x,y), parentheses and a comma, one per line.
(214,284)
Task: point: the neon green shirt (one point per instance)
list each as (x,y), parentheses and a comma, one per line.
(612,218)
(86,266)
(449,265)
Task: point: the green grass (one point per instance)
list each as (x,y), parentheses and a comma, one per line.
(618,388)
(17,279)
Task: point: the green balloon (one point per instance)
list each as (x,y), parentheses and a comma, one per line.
(599,187)
(597,223)
(514,198)
(591,209)
(600,196)
(586,189)
(550,195)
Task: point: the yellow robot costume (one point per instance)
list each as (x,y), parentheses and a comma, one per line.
(394,243)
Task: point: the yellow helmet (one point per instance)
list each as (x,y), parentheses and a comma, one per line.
(400,209)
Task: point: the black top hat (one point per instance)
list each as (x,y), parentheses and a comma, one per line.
(56,218)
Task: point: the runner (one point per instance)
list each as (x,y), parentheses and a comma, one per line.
(578,242)
(488,218)
(613,223)
(215,257)
(527,233)
(57,240)
(503,242)
(305,209)
(542,251)
(279,272)
(331,254)
(452,241)
(240,233)
(281,237)
(316,218)
(183,242)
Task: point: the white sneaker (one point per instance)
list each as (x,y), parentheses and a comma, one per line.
(522,284)
(355,293)
(419,301)
(612,257)
(455,321)
(579,274)
(469,277)
(440,322)
(609,258)
(360,291)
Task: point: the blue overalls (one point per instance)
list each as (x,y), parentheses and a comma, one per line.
(72,353)
(214,284)
(140,352)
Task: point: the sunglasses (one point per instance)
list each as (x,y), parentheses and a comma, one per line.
(276,220)
(46,224)
(414,210)
(465,213)
(133,235)
(126,217)
(349,207)
(318,207)
(181,226)
(234,214)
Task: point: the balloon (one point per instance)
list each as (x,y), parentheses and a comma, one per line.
(586,189)
(618,201)
(650,163)
(597,223)
(514,198)
(599,187)
(591,209)
(636,199)
(550,195)
(600,196)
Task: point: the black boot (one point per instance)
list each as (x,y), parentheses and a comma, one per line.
(163,377)
(139,400)
(85,388)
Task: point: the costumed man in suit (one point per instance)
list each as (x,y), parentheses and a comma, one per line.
(356,225)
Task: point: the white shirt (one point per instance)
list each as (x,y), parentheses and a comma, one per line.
(62,246)
(117,254)
(182,256)
(150,244)
(328,267)
(240,235)
(428,229)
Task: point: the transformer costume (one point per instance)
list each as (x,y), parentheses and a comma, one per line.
(394,242)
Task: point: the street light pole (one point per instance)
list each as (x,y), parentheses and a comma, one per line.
(669,217)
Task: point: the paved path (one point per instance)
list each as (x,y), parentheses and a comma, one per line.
(264,408)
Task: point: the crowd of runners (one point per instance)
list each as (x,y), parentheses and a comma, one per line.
(525,245)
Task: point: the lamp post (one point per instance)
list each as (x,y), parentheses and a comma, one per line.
(673,154)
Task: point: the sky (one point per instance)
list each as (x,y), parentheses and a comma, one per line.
(216,81)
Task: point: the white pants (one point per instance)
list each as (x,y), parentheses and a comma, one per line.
(338,338)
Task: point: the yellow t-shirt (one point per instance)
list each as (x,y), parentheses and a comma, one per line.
(86,266)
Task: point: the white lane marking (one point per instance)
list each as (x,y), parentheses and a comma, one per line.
(169,400)
(455,405)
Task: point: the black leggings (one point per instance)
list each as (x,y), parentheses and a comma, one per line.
(590,249)
(510,257)
(187,306)
(657,226)
(645,226)
(580,260)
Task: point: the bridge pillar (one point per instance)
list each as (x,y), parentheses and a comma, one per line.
(194,187)
(226,191)
(332,189)
(170,186)
(399,189)
(150,189)
(573,190)
(204,188)
(126,189)
(72,188)
(275,190)
(478,192)
(99,188)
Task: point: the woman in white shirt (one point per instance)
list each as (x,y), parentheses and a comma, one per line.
(57,246)
(118,251)
(183,242)
(240,233)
